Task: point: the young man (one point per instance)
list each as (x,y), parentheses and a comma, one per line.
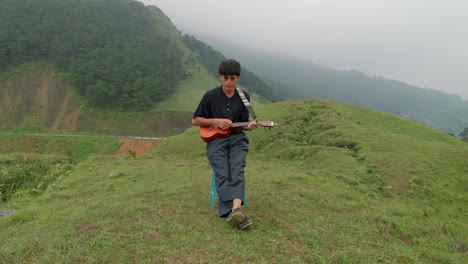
(220,107)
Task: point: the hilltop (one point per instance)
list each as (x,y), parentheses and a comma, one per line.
(365,146)
(331,183)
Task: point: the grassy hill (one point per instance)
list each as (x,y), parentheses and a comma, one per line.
(331,183)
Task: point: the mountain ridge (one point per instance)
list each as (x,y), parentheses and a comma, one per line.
(299,78)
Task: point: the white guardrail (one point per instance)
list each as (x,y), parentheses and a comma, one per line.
(77,135)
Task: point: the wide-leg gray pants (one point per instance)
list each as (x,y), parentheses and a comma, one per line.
(227,158)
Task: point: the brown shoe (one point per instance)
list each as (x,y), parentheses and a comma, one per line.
(247,222)
(236,217)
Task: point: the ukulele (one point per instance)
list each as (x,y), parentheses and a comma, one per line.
(210,133)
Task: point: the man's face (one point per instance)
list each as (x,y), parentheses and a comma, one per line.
(229,81)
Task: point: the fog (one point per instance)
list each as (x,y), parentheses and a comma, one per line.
(420,42)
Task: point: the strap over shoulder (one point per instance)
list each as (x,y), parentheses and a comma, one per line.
(246,103)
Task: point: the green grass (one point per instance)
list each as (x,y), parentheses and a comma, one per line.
(190,91)
(33,175)
(323,187)
(76,149)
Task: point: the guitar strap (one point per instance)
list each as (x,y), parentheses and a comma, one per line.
(246,103)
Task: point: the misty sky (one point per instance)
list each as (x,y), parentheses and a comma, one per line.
(420,42)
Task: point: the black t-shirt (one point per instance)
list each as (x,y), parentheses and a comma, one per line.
(215,104)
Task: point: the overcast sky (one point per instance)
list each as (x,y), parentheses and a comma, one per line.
(420,42)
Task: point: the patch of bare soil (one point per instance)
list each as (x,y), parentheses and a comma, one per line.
(34,143)
(136,147)
(38,96)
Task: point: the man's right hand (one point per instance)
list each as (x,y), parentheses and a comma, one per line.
(223,123)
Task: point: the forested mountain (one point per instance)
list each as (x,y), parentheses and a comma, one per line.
(116,52)
(119,54)
(210,58)
(298,78)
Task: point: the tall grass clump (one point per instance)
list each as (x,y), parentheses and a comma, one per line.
(27,174)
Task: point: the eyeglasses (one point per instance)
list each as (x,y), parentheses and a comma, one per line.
(229,77)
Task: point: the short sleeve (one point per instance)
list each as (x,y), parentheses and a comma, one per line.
(203,109)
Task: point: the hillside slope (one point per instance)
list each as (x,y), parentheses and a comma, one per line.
(331,183)
(118,53)
(40,101)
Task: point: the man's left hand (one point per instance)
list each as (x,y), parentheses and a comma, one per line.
(253,124)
